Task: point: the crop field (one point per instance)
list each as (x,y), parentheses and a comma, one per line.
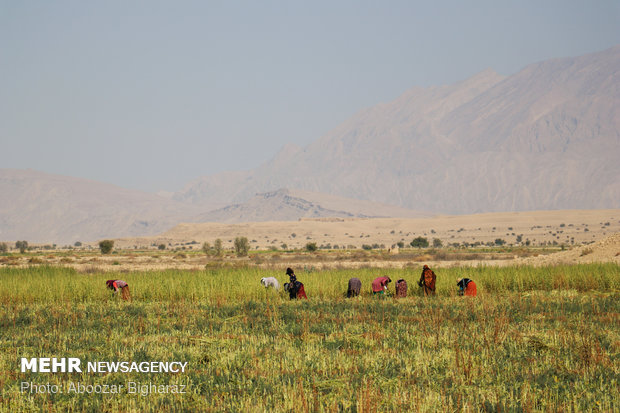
(534,339)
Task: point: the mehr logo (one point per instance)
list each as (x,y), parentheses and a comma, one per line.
(51,365)
(72,364)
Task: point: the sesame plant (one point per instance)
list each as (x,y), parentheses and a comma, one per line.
(534,339)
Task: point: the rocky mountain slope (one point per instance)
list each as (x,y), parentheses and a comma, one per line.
(287,205)
(547,137)
(41,207)
(45,208)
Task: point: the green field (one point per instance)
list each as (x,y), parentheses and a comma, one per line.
(535,339)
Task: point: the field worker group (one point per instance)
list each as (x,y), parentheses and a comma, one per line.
(379,286)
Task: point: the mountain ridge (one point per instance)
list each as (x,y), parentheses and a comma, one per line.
(545,138)
(46,208)
(526,133)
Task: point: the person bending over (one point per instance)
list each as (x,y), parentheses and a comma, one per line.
(466,287)
(119,285)
(379,285)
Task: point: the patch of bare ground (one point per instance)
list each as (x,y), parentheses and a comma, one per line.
(605,250)
(533,228)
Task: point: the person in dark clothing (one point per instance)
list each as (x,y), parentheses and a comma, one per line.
(355,286)
(401,288)
(427,281)
(467,287)
(295,288)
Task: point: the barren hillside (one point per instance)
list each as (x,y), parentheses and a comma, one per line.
(547,137)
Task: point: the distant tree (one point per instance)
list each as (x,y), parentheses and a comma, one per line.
(499,242)
(161,247)
(419,242)
(519,238)
(77,244)
(106,246)
(3,247)
(284,246)
(22,246)
(366,247)
(242,246)
(437,243)
(206,248)
(400,244)
(218,250)
(311,246)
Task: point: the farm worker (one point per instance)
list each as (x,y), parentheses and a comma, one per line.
(295,288)
(379,285)
(121,285)
(466,287)
(401,288)
(427,280)
(270,282)
(355,286)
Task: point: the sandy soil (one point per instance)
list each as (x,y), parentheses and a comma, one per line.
(605,250)
(570,227)
(596,237)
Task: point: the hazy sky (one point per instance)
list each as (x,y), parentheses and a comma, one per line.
(150,95)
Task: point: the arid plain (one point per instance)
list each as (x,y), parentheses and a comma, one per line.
(536,238)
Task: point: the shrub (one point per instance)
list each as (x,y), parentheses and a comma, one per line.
(499,241)
(218,250)
(106,246)
(419,242)
(3,247)
(242,246)
(161,247)
(437,243)
(22,246)
(77,244)
(311,246)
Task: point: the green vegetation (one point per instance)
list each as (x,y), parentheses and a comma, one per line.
(419,242)
(535,339)
(218,249)
(242,246)
(311,246)
(106,246)
(22,246)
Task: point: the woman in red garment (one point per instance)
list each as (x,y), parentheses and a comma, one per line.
(379,285)
(467,287)
(427,281)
